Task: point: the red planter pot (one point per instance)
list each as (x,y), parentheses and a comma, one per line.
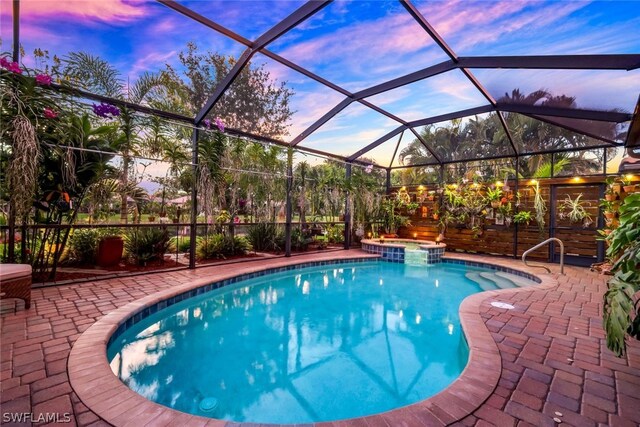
(110,251)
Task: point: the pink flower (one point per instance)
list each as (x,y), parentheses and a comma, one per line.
(14,67)
(43,80)
(219,124)
(368,169)
(50,114)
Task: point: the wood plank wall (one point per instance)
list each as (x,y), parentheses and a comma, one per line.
(499,239)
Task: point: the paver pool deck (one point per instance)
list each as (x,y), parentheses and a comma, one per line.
(551,356)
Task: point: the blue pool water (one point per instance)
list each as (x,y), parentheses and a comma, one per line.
(316,344)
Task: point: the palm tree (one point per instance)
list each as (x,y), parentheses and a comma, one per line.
(100,77)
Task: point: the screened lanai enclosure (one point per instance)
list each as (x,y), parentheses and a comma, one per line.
(139,136)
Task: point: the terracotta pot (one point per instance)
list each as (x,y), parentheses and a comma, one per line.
(110,251)
(495,204)
(610,197)
(629,188)
(609,215)
(152,218)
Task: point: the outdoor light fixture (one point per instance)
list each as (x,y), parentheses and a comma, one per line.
(368,235)
(381,239)
(577,179)
(415,236)
(438,240)
(533,182)
(499,184)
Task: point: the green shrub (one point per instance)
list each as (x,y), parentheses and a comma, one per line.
(84,245)
(266,237)
(146,244)
(335,234)
(221,246)
(180,244)
(242,245)
(300,240)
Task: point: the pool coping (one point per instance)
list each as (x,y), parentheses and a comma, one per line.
(101,391)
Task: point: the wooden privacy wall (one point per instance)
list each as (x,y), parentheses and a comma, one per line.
(581,246)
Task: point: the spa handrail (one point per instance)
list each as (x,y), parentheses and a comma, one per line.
(539,245)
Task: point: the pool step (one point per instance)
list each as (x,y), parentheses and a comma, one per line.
(500,282)
(519,281)
(485,285)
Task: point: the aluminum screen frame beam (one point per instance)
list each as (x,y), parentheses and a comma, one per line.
(572,113)
(377,142)
(625,62)
(426,145)
(299,15)
(560,150)
(572,129)
(454,115)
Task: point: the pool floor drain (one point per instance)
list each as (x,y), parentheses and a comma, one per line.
(208,404)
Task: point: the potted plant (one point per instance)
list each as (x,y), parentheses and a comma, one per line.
(609,209)
(610,193)
(412,208)
(627,187)
(522,217)
(110,249)
(493,197)
(431,195)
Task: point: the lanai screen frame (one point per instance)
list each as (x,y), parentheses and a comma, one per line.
(626,62)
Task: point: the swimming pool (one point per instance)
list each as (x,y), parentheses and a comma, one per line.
(316,344)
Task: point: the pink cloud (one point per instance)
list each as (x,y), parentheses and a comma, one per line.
(467,24)
(359,47)
(118,11)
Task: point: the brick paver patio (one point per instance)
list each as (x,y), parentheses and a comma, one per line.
(554,360)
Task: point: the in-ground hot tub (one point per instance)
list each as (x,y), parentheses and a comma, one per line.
(398,250)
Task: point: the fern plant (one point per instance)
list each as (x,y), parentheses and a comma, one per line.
(621,314)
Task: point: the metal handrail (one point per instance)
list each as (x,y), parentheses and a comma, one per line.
(539,245)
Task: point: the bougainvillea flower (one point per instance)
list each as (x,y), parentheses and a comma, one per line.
(207,123)
(503,200)
(219,124)
(4,62)
(106,110)
(50,114)
(43,80)
(369,169)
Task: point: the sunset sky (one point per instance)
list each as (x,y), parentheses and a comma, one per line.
(356,45)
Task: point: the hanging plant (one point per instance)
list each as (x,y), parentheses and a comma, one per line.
(539,206)
(22,173)
(573,210)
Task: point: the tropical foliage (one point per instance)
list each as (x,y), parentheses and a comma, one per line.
(621,311)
